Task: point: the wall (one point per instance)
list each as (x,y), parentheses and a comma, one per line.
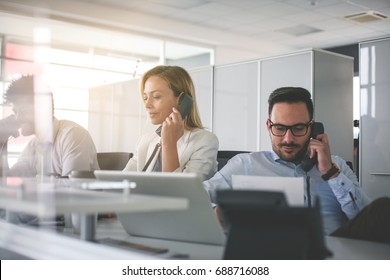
(117,118)
(374,171)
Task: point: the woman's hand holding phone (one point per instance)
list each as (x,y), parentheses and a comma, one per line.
(173,127)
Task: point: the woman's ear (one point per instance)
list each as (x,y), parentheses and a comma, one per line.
(179,97)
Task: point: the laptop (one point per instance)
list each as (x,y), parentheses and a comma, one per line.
(197,223)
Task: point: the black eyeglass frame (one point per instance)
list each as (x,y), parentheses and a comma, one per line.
(291,128)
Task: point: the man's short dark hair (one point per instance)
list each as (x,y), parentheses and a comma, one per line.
(290,95)
(20,90)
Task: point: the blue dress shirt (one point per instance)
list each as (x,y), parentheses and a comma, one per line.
(341,198)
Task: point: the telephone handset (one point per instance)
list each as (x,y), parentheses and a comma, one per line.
(185,105)
(308,163)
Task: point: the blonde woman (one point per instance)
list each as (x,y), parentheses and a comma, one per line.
(181,144)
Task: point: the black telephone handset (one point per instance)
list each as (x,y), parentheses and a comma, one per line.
(185,105)
(308,163)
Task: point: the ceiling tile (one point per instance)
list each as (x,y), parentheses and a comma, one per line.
(182,4)
(306,17)
(372,4)
(340,10)
(214,9)
(277,10)
(299,30)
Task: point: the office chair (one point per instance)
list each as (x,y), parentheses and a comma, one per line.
(349,163)
(113,160)
(223,157)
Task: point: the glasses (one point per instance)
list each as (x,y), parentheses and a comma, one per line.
(299,129)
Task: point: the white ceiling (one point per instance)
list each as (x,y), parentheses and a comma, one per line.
(242,29)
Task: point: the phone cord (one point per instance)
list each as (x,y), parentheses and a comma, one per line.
(308,191)
(158,145)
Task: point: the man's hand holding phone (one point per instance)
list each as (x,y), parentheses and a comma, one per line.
(319,147)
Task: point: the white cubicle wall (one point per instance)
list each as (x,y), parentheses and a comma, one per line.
(236,109)
(203,82)
(333,100)
(117,117)
(232,101)
(374,171)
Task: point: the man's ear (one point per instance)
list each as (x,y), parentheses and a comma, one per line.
(268,123)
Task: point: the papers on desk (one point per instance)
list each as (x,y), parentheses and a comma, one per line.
(292,187)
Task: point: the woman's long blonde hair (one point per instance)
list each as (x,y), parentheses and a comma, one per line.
(179,81)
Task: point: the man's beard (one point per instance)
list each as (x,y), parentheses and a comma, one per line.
(299,156)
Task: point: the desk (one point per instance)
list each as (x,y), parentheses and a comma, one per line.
(22,242)
(176,249)
(44,200)
(38,244)
(352,249)
(342,248)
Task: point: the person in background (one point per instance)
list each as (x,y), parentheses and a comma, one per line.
(181,144)
(72,149)
(72,146)
(346,209)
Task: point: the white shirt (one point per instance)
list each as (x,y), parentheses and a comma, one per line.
(73,149)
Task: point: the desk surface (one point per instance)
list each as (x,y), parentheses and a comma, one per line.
(176,249)
(38,244)
(22,242)
(352,249)
(48,200)
(342,248)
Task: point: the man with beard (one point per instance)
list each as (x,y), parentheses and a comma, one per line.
(345,207)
